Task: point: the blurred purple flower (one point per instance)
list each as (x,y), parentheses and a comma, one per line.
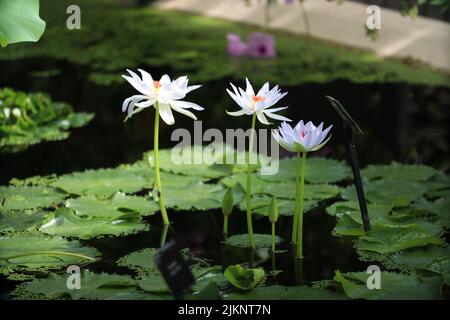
(236,48)
(261,46)
(289,1)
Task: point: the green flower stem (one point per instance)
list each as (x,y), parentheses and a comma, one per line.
(249,184)
(273,237)
(157,174)
(294,226)
(300,207)
(48,253)
(225,225)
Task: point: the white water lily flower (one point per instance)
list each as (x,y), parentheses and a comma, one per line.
(257,103)
(166,92)
(302,138)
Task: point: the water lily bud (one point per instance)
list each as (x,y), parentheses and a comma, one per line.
(16,112)
(7,112)
(227,203)
(273,210)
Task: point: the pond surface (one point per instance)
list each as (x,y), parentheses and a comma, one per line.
(401,122)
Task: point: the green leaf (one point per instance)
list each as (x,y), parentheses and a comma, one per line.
(100,286)
(19,221)
(142,261)
(384,240)
(244,279)
(197,195)
(92,206)
(397,171)
(261,203)
(20,21)
(388,191)
(21,198)
(184,161)
(104,182)
(28,119)
(261,240)
(284,190)
(28,252)
(278,292)
(65,222)
(318,170)
(394,286)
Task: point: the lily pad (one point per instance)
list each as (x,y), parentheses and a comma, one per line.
(261,202)
(394,286)
(197,195)
(21,198)
(398,171)
(142,261)
(388,191)
(65,222)
(19,220)
(261,240)
(284,190)
(92,206)
(318,170)
(30,252)
(384,240)
(105,182)
(278,292)
(244,279)
(20,21)
(92,286)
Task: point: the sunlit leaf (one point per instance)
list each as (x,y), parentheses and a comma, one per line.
(244,279)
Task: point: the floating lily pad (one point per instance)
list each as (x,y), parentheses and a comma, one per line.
(384,240)
(398,171)
(184,161)
(28,119)
(261,240)
(440,208)
(142,261)
(197,195)
(29,252)
(21,198)
(65,222)
(388,191)
(242,278)
(318,170)
(278,292)
(19,220)
(394,286)
(92,206)
(104,182)
(260,205)
(92,286)
(284,190)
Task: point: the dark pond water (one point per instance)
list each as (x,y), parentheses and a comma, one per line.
(401,122)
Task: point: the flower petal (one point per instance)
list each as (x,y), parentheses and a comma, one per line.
(183,111)
(276,116)
(236,113)
(262,118)
(138,85)
(249,88)
(166,113)
(186,105)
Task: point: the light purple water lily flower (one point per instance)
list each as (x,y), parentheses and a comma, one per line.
(302,138)
(258,103)
(261,46)
(236,47)
(168,93)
